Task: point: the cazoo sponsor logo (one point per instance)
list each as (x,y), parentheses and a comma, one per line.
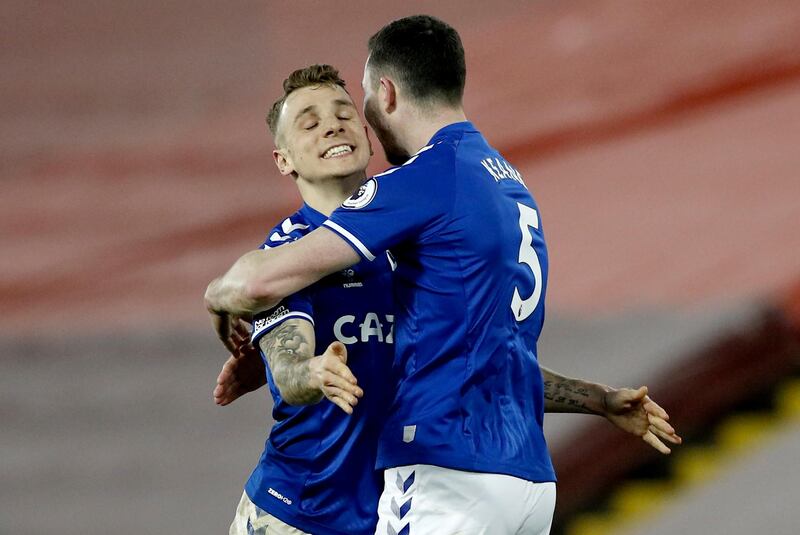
(348,330)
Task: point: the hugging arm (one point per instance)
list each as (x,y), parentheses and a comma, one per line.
(259,279)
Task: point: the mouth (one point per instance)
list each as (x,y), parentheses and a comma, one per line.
(338,151)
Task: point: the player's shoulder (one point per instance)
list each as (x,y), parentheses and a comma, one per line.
(412,178)
(289,229)
(419,164)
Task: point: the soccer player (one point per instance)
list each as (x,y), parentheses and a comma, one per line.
(316,474)
(462,447)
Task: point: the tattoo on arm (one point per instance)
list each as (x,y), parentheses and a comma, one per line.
(288,353)
(566,395)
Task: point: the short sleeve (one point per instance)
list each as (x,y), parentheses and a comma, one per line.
(296,306)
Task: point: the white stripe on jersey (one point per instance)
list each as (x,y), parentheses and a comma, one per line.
(352,239)
(259,327)
(277,237)
(387,172)
(407,162)
(287,227)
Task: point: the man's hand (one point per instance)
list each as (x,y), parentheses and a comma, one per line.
(329,373)
(244,371)
(230,330)
(241,373)
(633,411)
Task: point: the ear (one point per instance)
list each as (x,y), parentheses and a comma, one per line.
(388,94)
(369,141)
(283,162)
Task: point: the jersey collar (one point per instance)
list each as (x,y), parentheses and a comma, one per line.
(452,130)
(313,216)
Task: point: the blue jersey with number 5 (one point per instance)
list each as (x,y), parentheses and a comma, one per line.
(469,286)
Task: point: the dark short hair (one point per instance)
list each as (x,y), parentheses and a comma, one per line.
(425,54)
(311,76)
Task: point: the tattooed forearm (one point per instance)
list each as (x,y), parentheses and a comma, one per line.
(562,394)
(288,353)
(566,394)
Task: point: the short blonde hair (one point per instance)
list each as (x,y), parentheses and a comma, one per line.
(313,75)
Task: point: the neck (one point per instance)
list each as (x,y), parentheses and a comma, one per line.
(424,123)
(325,195)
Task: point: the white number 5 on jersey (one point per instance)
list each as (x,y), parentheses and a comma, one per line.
(528,218)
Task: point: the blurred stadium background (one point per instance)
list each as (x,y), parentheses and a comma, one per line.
(659,137)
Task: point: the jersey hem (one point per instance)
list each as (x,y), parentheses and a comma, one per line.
(298,521)
(540,475)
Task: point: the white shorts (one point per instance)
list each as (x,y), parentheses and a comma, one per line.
(250,519)
(429,500)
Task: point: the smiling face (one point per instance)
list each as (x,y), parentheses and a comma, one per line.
(320,135)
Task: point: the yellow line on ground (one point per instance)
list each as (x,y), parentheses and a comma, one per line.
(735,437)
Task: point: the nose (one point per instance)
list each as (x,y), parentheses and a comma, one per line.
(333,126)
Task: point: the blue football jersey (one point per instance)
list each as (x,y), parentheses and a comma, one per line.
(469,288)
(317,472)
